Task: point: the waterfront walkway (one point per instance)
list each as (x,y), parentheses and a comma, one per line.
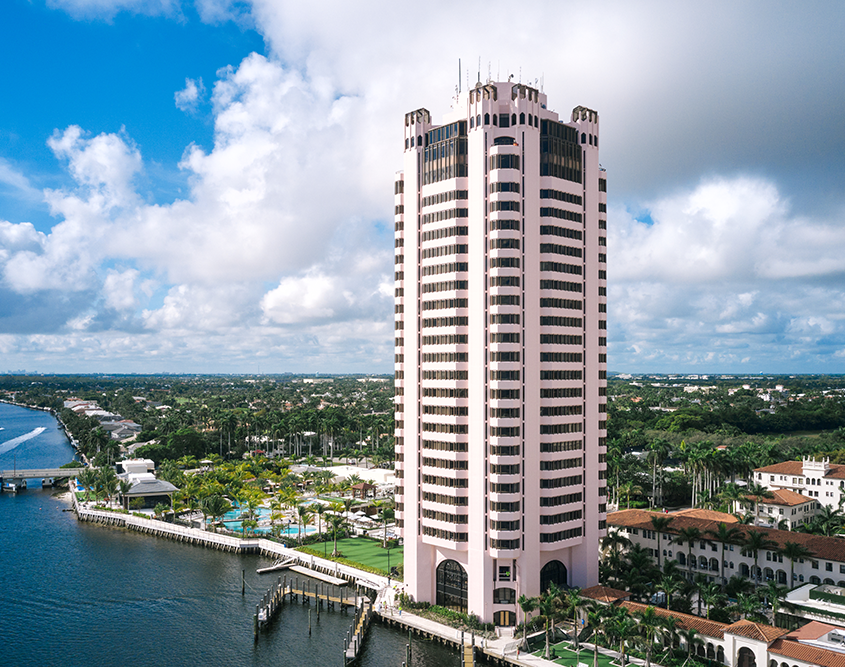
(502,650)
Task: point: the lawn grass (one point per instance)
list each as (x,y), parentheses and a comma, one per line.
(368,552)
(567,656)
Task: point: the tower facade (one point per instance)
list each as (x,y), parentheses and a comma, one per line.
(500,216)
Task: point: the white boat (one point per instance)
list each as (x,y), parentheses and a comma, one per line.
(15,486)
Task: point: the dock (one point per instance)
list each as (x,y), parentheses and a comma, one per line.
(278,565)
(327,578)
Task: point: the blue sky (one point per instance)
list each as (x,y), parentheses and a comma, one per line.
(206,185)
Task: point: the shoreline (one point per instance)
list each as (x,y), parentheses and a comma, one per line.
(53,413)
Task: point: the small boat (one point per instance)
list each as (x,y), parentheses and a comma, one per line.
(47,483)
(15,486)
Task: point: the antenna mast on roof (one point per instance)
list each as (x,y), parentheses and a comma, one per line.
(459,76)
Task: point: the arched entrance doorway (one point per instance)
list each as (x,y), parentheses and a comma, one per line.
(553,572)
(452,586)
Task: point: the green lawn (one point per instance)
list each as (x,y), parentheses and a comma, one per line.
(368,552)
(567,656)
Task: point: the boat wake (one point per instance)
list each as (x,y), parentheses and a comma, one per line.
(9,445)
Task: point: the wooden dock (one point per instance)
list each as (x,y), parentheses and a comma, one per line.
(355,636)
(293,590)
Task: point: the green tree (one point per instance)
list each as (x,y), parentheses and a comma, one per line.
(754,543)
(724,536)
(794,551)
(649,624)
(527,605)
(688,535)
(660,524)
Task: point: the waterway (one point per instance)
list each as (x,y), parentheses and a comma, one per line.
(82,594)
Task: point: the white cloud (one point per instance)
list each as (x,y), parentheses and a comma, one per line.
(723,267)
(17,181)
(119,289)
(189,97)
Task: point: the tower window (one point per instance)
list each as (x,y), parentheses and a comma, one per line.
(522,118)
(487,119)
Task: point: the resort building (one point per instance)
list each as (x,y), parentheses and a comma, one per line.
(822,480)
(785,510)
(745,643)
(721,560)
(501,305)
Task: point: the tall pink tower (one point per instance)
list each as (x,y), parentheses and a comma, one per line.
(501,361)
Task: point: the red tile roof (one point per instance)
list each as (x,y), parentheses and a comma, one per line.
(827,548)
(758,631)
(815,656)
(604,594)
(682,621)
(783,497)
(783,468)
(708,515)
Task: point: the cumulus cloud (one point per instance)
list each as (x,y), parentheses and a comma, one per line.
(281,249)
(724,267)
(189,97)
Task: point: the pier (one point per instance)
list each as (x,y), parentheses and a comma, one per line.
(329,592)
(326,594)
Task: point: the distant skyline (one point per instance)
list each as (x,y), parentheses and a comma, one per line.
(205,186)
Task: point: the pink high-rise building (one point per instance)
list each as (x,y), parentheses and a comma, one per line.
(500,351)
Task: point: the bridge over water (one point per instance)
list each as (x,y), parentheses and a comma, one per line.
(39,473)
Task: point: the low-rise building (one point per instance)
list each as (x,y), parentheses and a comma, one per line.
(785,510)
(717,560)
(822,480)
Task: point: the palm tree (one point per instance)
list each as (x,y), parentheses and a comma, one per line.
(304,518)
(711,594)
(630,489)
(774,592)
(755,542)
(88,479)
(649,625)
(215,506)
(724,536)
(689,536)
(336,521)
(573,603)
(660,523)
(794,551)
(691,639)
(527,605)
(615,541)
(124,486)
(548,606)
(622,626)
(386,515)
(319,510)
(669,585)
(596,615)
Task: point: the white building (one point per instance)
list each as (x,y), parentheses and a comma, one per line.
(715,559)
(785,510)
(822,480)
(500,350)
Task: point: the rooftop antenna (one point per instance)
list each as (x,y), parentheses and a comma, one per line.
(498,70)
(459,76)
(520,73)
(489,71)
(479,70)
